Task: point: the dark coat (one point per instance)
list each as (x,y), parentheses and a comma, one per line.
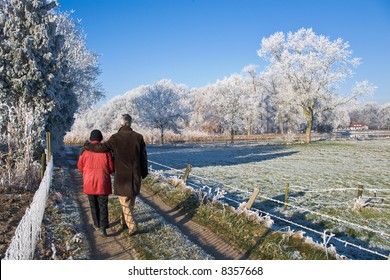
(130,160)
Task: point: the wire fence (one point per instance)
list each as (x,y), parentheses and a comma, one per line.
(285,220)
(23,243)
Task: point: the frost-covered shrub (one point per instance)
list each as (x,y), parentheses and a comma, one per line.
(360,203)
(254,215)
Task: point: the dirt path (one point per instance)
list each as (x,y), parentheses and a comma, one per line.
(112,247)
(115,246)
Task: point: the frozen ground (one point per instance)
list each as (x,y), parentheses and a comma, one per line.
(163,240)
(323,179)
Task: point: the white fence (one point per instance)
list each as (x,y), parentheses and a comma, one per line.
(23,244)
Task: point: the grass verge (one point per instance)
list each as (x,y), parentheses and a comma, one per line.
(240,227)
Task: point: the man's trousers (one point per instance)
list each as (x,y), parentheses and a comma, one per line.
(127,204)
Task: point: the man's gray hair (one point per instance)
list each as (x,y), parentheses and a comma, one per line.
(126,120)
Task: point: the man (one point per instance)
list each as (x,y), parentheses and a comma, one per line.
(130,161)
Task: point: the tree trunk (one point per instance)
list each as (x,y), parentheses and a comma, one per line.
(232,135)
(308,113)
(281,126)
(308,132)
(250,121)
(162,136)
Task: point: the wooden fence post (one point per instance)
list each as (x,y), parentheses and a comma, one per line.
(252,198)
(286,196)
(48,145)
(360,191)
(186,173)
(43,162)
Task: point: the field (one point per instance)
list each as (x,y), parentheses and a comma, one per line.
(325,178)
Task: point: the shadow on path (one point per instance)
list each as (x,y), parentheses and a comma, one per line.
(115,245)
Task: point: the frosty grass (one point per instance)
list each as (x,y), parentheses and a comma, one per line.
(323,178)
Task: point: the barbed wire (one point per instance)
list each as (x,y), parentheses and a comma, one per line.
(381,233)
(305,189)
(346,243)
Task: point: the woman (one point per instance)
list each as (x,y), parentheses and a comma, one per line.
(96,169)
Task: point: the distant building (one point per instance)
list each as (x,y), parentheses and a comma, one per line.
(357,126)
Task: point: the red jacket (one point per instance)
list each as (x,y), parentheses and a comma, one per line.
(96,169)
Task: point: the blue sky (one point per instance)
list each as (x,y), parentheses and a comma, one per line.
(197,42)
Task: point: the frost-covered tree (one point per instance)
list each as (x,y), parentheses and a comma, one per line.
(314,67)
(384,116)
(229,102)
(163,106)
(328,120)
(30,70)
(280,101)
(105,118)
(204,116)
(231,105)
(376,116)
(254,98)
(82,67)
(39,88)
(367,113)
(79,71)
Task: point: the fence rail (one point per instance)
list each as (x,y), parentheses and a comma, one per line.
(23,243)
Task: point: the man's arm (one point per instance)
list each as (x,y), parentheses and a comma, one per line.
(111,167)
(100,147)
(144,160)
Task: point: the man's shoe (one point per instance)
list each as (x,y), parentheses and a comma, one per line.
(102,232)
(95,227)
